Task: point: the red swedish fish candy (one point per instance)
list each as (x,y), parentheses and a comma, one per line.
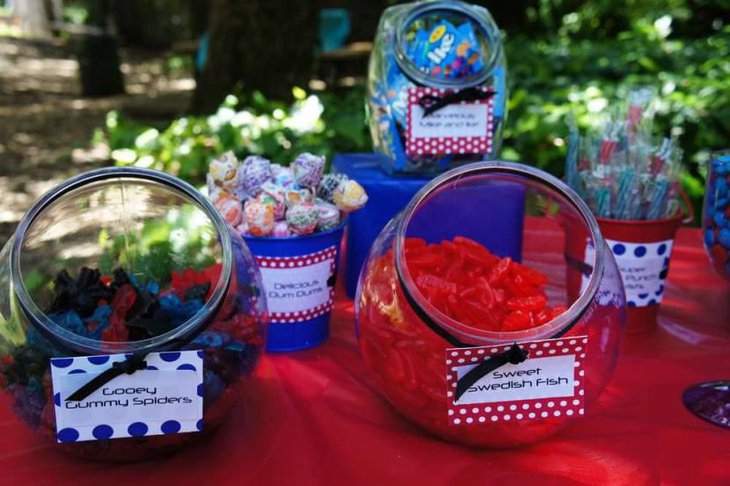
(517,320)
(533,303)
(465,281)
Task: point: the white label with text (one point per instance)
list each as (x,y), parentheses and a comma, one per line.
(464,127)
(549,383)
(643,268)
(164,398)
(298,288)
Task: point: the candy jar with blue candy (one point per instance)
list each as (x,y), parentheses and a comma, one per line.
(436,86)
(122,274)
(711,400)
(716,213)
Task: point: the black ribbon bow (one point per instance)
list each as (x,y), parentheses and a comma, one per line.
(432,103)
(514,355)
(134,362)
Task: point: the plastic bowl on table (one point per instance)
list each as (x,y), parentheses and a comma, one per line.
(162,237)
(404,338)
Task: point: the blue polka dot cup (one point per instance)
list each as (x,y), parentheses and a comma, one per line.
(190,284)
(716,212)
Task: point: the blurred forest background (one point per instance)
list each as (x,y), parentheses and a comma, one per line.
(169,84)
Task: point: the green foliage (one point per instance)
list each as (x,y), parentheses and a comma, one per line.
(325,124)
(76,14)
(576,57)
(179,241)
(552,78)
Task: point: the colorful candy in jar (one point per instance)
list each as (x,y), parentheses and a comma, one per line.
(476,288)
(317,202)
(716,217)
(466,282)
(116,308)
(446,51)
(445,45)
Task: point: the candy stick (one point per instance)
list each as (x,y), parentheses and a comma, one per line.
(603,202)
(638,110)
(658,199)
(571,162)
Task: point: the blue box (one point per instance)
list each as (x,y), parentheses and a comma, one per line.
(500,222)
(387,196)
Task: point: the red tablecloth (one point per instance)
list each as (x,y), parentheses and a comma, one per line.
(315,418)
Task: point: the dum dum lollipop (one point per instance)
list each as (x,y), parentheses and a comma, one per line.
(223,174)
(349,196)
(256,171)
(231,209)
(302,218)
(259,217)
(308,170)
(329,215)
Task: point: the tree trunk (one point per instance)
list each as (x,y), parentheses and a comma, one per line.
(263,45)
(34,16)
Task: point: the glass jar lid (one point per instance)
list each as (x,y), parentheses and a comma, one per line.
(120,259)
(447,44)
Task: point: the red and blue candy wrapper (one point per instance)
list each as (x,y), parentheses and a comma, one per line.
(716,213)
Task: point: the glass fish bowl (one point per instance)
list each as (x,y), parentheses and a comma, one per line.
(476,272)
(127,261)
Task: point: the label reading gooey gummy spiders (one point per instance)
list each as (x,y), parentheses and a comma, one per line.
(166,397)
(549,384)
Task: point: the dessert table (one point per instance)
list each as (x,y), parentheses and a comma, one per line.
(314,417)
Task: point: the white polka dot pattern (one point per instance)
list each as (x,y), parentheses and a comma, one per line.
(447,145)
(532,409)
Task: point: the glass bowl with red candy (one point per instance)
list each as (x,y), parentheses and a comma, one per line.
(484,312)
(126,262)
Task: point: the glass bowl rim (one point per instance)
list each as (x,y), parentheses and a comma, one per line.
(487,25)
(553,328)
(57,334)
